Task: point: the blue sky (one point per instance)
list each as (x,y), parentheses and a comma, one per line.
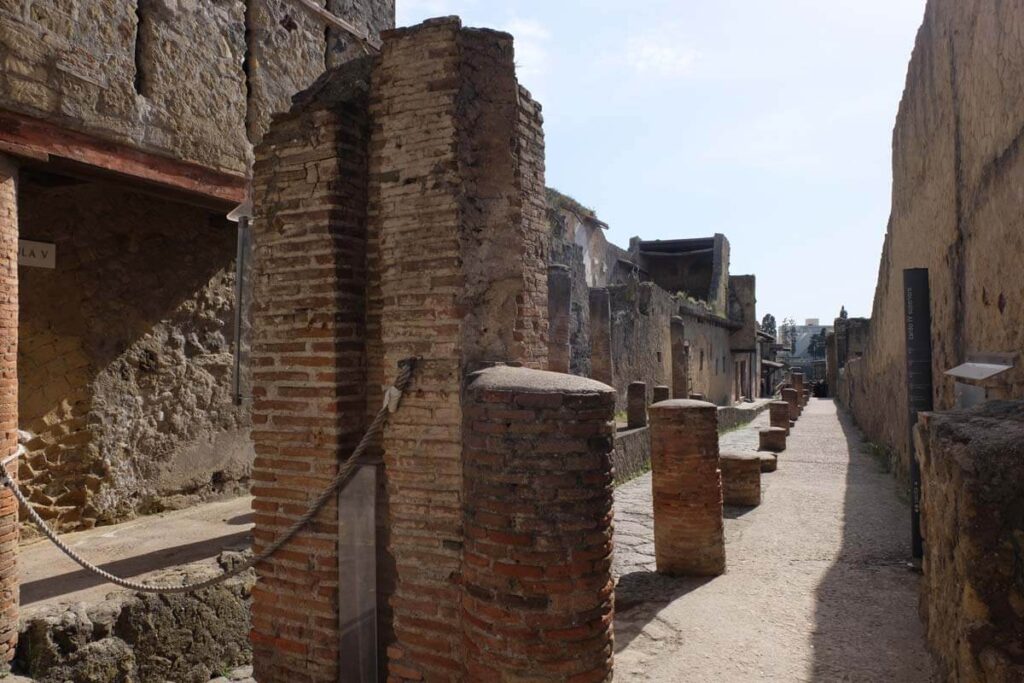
(767,120)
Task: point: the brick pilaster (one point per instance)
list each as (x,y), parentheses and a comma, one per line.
(308,364)
(538,481)
(560,316)
(8,406)
(680,359)
(459,239)
(686,483)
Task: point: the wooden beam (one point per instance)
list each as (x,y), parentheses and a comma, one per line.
(37,140)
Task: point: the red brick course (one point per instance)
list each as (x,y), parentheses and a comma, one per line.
(8,407)
(687,488)
(538,499)
(308,371)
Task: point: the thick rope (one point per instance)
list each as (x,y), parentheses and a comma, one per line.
(345,472)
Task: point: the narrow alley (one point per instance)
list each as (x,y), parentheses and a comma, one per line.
(817,586)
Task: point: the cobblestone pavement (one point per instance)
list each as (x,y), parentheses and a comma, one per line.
(817,587)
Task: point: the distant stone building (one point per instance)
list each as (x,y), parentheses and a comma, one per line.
(663,312)
(130,126)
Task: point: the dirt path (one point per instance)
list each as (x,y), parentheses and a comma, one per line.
(817,587)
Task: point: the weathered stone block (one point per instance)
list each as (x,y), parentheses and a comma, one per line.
(661,393)
(972,595)
(741,478)
(772,439)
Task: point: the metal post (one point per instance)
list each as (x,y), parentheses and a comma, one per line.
(357,577)
(919,382)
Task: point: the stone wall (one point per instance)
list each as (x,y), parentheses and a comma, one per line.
(118,69)
(126,354)
(641,337)
(711,362)
(142,637)
(972,596)
(956,210)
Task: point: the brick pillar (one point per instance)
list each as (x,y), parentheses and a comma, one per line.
(661,393)
(459,233)
(601,336)
(778,412)
(789,396)
(559,317)
(8,406)
(308,367)
(680,359)
(636,405)
(798,384)
(538,510)
(686,483)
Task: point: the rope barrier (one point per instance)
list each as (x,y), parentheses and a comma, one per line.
(391,399)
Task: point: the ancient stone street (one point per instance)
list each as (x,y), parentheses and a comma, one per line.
(816,587)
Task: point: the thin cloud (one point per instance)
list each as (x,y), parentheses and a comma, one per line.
(659,55)
(531,40)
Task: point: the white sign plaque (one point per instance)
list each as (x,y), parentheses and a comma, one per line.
(37,254)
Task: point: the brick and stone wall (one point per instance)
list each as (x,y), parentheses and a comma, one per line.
(972,473)
(118,68)
(126,354)
(957,170)
(641,341)
(8,407)
(537,601)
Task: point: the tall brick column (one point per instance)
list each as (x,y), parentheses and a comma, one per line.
(8,406)
(790,397)
(458,226)
(680,359)
(308,365)
(798,384)
(538,510)
(559,317)
(689,537)
(601,336)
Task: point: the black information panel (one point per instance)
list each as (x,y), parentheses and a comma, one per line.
(919,380)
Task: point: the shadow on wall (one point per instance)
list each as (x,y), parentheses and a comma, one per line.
(125,353)
(866,606)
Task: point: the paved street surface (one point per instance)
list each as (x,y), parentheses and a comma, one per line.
(817,587)
(132,549)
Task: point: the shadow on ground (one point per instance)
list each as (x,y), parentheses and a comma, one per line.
(35,591)
(639,596)
(866,624)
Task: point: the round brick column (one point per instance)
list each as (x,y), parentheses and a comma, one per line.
(778,412)
(687,488)
(636,405)
(789,396)
(661,393)
(8,407)
(537,513)
(741,479)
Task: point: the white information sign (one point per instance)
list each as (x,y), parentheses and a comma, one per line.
(37,254)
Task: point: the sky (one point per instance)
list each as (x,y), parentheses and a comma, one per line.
(769,121)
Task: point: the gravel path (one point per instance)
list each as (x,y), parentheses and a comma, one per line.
(817,587)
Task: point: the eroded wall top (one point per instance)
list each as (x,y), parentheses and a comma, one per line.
(195,80)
